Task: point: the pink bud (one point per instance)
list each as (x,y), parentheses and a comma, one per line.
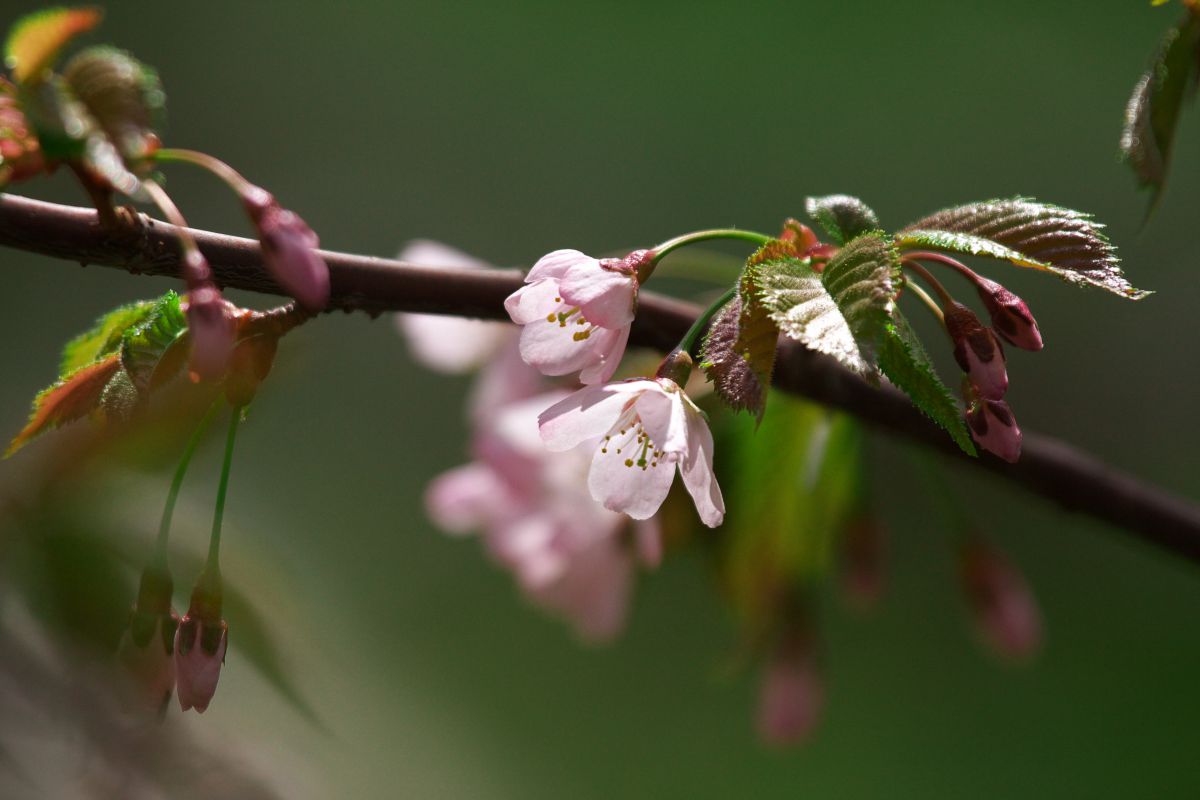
(211,330)
(993,426)
(863,575)
(289,248)
(1004,608)
(1010,316)
(977,351)
(200,645)
(147,647)
(792,693)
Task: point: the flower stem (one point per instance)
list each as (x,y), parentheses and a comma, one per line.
(929,302)
(933,282)
(688,343)
(203,160)
(164,527)
(195,269)
(707,236)
(213,566)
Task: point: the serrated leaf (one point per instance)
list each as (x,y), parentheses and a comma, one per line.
(120,399)
(1050,238)
(122,94)
(144,346)
(729,367)
(35,39)
(841,216)
(69,399)
(904,361)
(1152,114)
(104,337)
(841,311)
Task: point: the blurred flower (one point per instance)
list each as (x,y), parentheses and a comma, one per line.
(862,571)
(977,351)
(147,647)
(200,644)
(792,692)
(289,249)
(210,328)
(20,154)
(1003,605)
(993,426)
(1010,315)
(648,427)
(576,312)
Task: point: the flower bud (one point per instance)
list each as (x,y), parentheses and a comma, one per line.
(147,647)
(289,248)
(792,692)
(993,426)
(799,235)
(1003,606)
(211,330)
(1010,316)
(862,561)
(200,644)
(977,351)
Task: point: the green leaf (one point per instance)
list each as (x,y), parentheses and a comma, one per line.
(74,396)
(104,337)
(35,39)
(1152,115)
(1053,239)
(122,94)
(841,311)
(904,361)
(841,216)
(144,347)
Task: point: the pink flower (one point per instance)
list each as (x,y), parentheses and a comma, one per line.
(993,426)
(977,351)
(200,644)
(648,428)
(792,693)
(576,312)
(1002,603)
(147,647)
(289,248)
(1010,315)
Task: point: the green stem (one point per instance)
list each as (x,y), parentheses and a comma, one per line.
(203,160)
(707,236)
(213,567)
(164,527)
(688,343)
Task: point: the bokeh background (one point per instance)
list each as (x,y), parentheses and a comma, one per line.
(512,129)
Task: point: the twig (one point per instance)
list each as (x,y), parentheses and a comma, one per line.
(1048,467)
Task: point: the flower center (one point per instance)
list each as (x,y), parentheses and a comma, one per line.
(571,316)
(629,439)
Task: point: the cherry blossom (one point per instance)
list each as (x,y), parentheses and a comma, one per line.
(1000,600)
(792,693)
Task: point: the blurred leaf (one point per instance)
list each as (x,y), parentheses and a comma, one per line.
(61,122)
(1152,115)
(841,216)
(144,346)
(70,398)
(841,311)
(35,39)
(104,337)
(904,361)
(1029,234)
(120,399)
(122,94)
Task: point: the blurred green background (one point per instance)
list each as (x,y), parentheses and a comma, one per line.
(512,129)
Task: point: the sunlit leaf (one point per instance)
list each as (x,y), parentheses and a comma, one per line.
(1066,243)
(122,94)
(35,40)
(104,337)
(904,361)
(841,216)
(841,311)
(1152,115)
(71,398)
(144,346)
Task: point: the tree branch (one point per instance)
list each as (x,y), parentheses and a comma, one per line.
(1048,467)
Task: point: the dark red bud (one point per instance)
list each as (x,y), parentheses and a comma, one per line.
(799,234)
(289,248)
(977,350)
(1004,608)
(992,424)
(210,328)
(1010,315)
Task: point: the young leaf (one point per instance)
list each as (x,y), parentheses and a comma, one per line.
(144,346)
(842,311)
(104,337)
(122,94)
(841,216)
(72,397)
(35,39)
(1029,234)
(728,367)
(1152,114)
(904,361)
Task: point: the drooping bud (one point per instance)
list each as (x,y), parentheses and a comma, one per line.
(1004,608)
(211,330)
(862,571)
(147,648)
(977,350)
(1010,315)
(289,248)
(200,644)
(992,424)
(792,692)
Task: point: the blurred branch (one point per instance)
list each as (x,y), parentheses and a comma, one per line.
(1048,467)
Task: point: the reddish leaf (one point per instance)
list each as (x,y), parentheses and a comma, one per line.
(69,399)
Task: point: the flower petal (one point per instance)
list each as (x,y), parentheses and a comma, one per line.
(556,264)
(605,296)
(429,253)
(620,484)
(533,302)
(553,350)
(648,543)
(450,344)
(586,414)
(610,347)
(468,498)
(697,470)
(664,418)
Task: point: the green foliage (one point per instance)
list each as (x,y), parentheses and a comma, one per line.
(36,39)
(104,337)
(841,311)
(841,216)
(122,94)
(1058,240)
(144,346)
(1152,115)
(904,361)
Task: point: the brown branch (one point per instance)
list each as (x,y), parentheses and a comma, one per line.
(1048,467)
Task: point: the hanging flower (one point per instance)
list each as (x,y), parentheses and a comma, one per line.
(147,647)
(576,311)
(200,644)
(647,428)
(289,249)
(792,692)
(1010,315)
(977,351)
(992,424)
(211,329)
